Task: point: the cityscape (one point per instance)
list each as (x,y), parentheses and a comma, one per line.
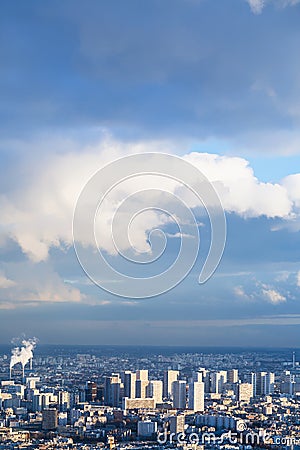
(149,398)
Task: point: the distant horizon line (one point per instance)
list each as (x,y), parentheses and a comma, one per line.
(163,346)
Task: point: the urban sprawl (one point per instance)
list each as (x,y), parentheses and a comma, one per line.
(191,400)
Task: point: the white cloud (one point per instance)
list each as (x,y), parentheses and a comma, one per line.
(298,279)
(5,282)
(29,283)
(240,292)
(282,276)
(256,6)
(292,185)
(240,191)
(262,292)
(273,296)
(285,3)
(39,216)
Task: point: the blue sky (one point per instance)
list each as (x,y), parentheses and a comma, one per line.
(215,82)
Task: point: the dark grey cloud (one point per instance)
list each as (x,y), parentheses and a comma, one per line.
(256,262)
(195,69)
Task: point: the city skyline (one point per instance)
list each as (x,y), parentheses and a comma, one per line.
(214,83)
(120,398)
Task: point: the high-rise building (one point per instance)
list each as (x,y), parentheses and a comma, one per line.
(63,401)
(177,424)
(233,376)
(36,400)
(205,378)
(100,392)
(245,392)
(251,378)
(218,379)
(90,391)
(288,382)
(112,390)
(155,390)
(115,393)
(179,394)
(41,401)
(31,382)
(129,384)
(142,375)
(260,383)
(140,388)
(49,419)
(197,376)
(270,383)
(169,377)
(146,428)
(265,382)
(196,396)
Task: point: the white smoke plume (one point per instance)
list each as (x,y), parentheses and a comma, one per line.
(24,353)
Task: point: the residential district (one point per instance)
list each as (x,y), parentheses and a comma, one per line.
(63,400)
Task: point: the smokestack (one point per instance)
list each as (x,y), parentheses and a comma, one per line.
(31,363)
(23,355)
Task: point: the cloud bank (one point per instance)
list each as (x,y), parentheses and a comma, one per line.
(39,217)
